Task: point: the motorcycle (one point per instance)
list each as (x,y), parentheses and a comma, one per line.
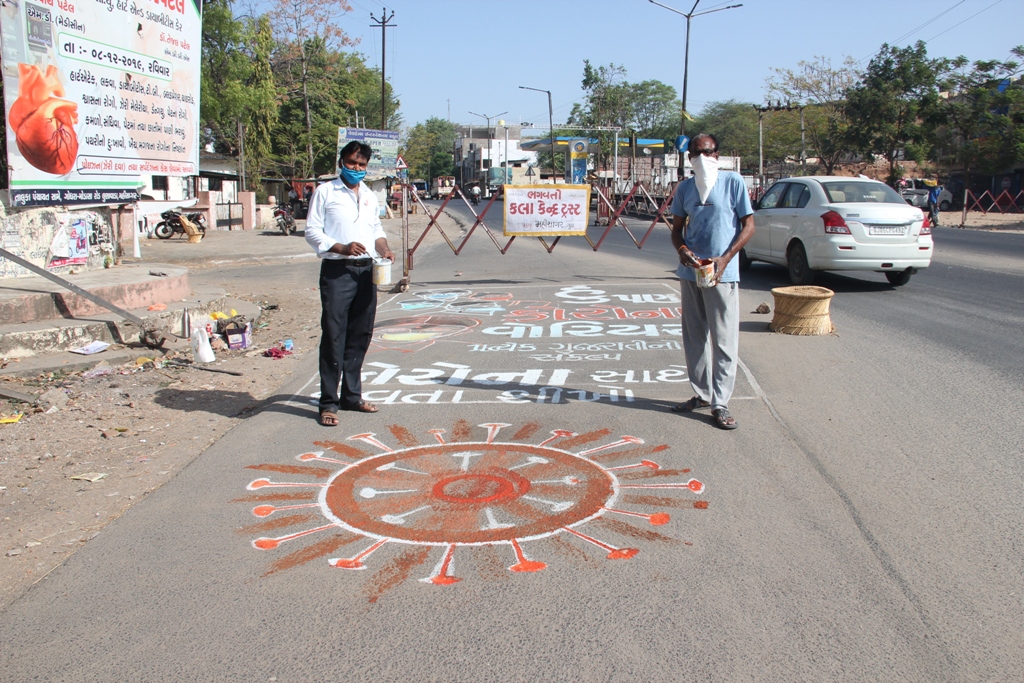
(172,224)
(285,222)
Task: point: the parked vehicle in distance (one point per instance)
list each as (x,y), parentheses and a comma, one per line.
(916,194)
(838,223)
(283,216)
(442,186)
(172,224)
(420,186)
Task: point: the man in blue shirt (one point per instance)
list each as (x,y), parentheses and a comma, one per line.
(933,204)
(712,219)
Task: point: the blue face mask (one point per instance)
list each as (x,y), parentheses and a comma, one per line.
(352,177)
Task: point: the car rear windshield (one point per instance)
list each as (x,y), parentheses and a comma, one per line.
(856,192)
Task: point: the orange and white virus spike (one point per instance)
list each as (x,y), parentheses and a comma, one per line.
(557,434)
(437,434)
(625,440)
(492,522)
(568,480)
(440,576)
(643,463)
(531,460)
(370,492)
(369,438)
(356,562)
(271,543)
(692,484)
(656,519)
(319,456)
(266,510)
(466,456)
(524,564)
(400,519)
(493,428)
(613,552)
(396,466)
(266,483)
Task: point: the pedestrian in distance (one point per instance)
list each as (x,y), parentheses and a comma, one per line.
(933,204)
(293,200)
(711,221)
(343,227)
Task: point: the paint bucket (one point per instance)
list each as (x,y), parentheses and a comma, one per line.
(705,273)
(381,272)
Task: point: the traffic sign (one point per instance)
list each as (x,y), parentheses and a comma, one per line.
(400,163)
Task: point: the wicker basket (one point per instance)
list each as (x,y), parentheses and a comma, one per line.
(802,310)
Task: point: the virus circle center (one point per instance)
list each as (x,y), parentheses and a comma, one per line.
(467,493)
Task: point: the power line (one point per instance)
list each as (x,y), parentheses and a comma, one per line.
(913,31)
(965,20)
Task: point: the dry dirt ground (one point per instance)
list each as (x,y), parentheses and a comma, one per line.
(140,424)
(1013,222)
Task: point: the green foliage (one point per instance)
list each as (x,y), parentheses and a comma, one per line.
(428,148)
(978,120)
(822,90)
(886,109)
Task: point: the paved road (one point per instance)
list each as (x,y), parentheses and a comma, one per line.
(500,519)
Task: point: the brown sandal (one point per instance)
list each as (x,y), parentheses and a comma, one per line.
(328,418)
(361,407)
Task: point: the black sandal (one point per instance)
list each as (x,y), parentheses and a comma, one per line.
(723,419)
(689,406)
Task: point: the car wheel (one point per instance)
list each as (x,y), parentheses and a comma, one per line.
(897,278)
(944,205)
(163,230)
(799,272)
(744,261)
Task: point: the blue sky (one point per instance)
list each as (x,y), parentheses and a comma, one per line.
(460,56)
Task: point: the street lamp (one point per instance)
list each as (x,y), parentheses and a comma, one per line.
(490,156)
(551,126)
(686,59)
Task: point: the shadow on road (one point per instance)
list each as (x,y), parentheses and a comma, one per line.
(231,403)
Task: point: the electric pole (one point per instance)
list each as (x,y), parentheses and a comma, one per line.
(384,25)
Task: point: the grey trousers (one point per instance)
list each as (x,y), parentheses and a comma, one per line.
(711,335)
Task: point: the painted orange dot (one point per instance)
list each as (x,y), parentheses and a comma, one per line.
(263,510)
(444,580)
(701,504)
(695,486)
(528,566)
(659,518)
(259,483)
(348,564)
(308,456)
(623,553)
(265,543)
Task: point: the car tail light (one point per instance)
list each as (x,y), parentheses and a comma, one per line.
(926,227)
(834,223)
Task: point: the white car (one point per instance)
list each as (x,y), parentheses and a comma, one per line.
(838,223)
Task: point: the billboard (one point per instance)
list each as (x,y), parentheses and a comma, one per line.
(385,150)
(540,210)
(98,94)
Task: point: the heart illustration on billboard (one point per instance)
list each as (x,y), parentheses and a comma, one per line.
(42,122)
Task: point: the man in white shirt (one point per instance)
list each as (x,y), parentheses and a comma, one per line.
(344,217)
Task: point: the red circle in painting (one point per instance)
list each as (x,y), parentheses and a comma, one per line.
(468,492)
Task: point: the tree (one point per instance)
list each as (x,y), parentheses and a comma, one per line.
(885,109)
(979,119)
(822,90)
(428,148)
(225,70)
(261,114)
(654,109)
(303,27)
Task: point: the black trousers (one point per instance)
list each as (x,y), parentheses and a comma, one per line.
(349,301)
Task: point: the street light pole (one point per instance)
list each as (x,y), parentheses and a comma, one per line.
(551,127)
(686,58)
(490,155)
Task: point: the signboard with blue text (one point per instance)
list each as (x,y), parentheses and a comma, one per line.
(384,144)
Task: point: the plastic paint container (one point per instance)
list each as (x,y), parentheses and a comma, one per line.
(381,272)
(706,273)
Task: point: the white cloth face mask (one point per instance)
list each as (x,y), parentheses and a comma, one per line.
(705,173)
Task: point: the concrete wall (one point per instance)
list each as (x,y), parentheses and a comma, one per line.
(29,233)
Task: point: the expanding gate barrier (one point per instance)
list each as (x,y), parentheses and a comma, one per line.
(638,202)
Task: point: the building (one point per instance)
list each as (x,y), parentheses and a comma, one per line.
(479,149)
